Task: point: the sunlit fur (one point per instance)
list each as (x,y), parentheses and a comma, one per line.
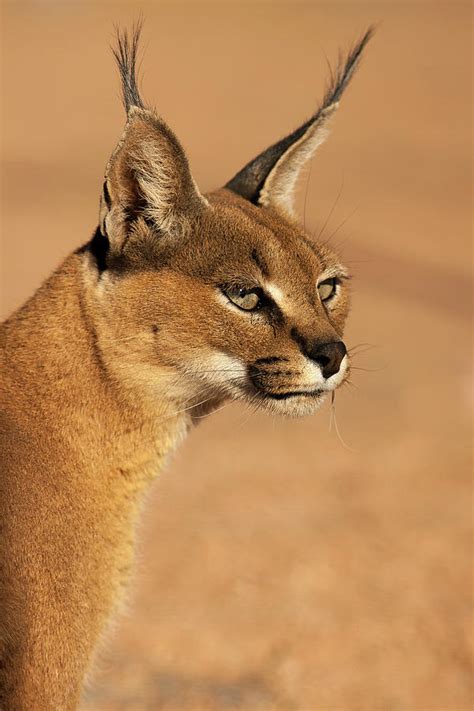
(129,343)
(176,315)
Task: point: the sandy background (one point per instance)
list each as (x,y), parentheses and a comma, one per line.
(277,569)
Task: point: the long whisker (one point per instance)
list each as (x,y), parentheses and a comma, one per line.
(334,205)
(175,381)
(341,224)
(331,412)
(186,401)
(208,414)
(190,407)
(367,347)
(213,370)
(350,384)
(253,405)
(248,410)
(234,381)
(336,428)
(306,193)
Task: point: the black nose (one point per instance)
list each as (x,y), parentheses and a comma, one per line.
(329,356)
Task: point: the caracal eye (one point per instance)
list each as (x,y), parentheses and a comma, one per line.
(327,288)
(246,299)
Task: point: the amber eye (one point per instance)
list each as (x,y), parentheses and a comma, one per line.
(246,299)
(327,288)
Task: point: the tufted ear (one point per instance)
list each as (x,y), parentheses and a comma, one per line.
(270,178)
(148,184)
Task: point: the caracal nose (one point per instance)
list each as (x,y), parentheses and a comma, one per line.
(328,356)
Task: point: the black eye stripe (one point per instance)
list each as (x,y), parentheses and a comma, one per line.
(258,259)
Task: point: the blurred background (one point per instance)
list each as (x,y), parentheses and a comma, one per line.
(282,566)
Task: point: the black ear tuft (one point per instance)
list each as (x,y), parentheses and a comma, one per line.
(250,181)
(344,72)
(126,56)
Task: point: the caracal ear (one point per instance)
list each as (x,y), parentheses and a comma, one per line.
(148,184)
(270,178)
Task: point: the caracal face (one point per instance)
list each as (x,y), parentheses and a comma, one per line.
(246,307)
(201,298)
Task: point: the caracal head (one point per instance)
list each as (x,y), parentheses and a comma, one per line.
(224,292)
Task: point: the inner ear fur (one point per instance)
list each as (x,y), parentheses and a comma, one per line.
(279,188)
(148,181)
(270,178)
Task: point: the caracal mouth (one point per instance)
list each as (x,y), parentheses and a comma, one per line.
(294,403)
(293,393)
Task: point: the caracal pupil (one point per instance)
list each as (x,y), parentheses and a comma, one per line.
(179,302)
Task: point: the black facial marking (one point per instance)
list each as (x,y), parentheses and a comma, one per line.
(296,393)
(273,311)
(107,198)
(98,246)
(265,384)
(279,373)
(299,339)
(275,316)
(257,258)
(269,360)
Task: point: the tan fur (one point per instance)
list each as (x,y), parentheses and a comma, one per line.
(103,372)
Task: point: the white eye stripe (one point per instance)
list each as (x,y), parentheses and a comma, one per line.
(275,292)
(277,295)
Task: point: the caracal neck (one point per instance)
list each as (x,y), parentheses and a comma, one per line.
(58,368)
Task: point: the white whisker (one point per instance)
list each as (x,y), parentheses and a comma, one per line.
(336,428)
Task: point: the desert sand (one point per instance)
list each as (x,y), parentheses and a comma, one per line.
(280,568)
